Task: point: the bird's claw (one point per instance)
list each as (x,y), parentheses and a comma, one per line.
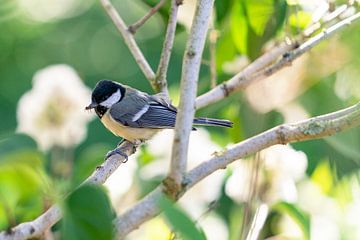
(119,152)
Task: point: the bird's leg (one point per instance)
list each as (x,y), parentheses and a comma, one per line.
(119,149)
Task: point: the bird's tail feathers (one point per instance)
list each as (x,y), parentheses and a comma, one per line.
(213,122)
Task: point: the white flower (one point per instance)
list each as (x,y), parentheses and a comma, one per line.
(52,112)
(281,166)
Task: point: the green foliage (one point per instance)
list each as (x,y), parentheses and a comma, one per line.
(222,9)
(23,181)
(15,142)
(179,221)
(253,23)
(87,215)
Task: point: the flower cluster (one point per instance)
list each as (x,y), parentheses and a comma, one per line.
(52,112)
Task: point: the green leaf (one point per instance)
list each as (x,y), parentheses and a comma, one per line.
(14,143)
(180,221)
(253,23)
(259,13)
(300,217)
(300,20)
(87,215)
(239,27)
(225,49)
(22,186)
(222,9)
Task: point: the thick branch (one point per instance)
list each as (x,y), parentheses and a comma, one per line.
(251,73)
(189,78)
(161,72)
(130,41)
(37,227)
(313,128)
(135,26)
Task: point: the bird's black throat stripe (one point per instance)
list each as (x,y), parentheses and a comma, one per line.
(100,111)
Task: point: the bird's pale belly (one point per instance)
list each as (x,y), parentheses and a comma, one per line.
(129,133)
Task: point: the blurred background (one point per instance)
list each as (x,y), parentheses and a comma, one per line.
(53,53)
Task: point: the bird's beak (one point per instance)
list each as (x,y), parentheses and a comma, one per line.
(91,106)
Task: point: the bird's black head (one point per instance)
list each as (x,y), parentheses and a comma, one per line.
(105,89)
(105,94)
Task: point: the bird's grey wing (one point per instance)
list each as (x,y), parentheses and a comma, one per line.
(157,116)
(163,99)
(143,111)
(129,109)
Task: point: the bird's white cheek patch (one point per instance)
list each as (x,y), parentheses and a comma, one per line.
(114,98)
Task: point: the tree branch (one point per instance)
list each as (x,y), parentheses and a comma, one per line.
(251,73)
(189,78)
(161,72)
(135,26)
(130,41)
(37,227)
(313,128)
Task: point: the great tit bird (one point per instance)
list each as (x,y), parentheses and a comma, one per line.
(135,115)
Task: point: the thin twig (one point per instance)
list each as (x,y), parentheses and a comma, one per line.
(188,86)
(135,26)
(313,128)
(326,19)
(130,41)
(161,72)
(247,76)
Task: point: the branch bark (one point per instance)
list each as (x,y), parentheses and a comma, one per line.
(189,78)
(130,41)
(252,74)
(313,128)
